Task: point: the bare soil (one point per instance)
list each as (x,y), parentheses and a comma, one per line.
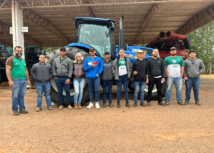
(154,129)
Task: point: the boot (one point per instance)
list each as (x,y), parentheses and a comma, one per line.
(127,104)
(75,106)
(79,105)
(118,104)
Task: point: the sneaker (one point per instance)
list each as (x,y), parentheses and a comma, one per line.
(50,108)
(198,103)
(97,105)
(69,107)
(186,103)
(161,103)
(38,109)
(111,105)
(148,103)
(142,104)
(104,105)
(167,103)
(23,111)
(135,105)
(16,113)
(179,103)
(61,107)
(90,105)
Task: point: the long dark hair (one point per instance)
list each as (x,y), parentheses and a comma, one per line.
(119,52)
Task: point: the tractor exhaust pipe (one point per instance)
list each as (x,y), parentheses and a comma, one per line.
(120,34)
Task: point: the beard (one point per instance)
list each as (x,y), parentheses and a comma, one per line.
(18,54)
(155,55)
(173,54)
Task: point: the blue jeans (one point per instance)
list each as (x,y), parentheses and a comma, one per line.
(94,83)
(40,88)
(18,93)
(122,80)
(78,88)
(139,86)
(60,82)
(178,85)
(109,84)
(192,82)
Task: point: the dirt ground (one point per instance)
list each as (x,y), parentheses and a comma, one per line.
(154,129)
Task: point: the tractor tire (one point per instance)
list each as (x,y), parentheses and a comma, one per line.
(154,91)
(71,52)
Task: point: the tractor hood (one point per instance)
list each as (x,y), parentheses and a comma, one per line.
(110,23)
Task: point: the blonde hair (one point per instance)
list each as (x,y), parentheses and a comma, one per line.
(75,61)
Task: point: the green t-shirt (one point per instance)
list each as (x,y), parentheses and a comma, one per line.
(173,65)
(122,67)
(17,70)
(61,60)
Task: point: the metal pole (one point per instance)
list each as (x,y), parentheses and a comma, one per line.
(13,23)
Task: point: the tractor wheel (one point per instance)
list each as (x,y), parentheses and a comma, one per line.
(71,52)
(154,91)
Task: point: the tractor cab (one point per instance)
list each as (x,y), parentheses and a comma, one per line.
(97,33)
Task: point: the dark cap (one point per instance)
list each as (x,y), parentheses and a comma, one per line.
(62,48)
(191,51)
(92,49)
(106,52)
(172,48)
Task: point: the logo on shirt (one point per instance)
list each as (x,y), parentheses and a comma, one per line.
(122,62)
(16,63)
(174,61)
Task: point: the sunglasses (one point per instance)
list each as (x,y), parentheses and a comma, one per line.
(62,51)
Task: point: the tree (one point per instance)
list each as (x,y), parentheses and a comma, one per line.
(203,43)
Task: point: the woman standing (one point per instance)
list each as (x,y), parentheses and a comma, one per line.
(121,70)
(78,80)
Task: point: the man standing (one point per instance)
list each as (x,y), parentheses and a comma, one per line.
(192,70)
(93,67)
(17,73)
(174,71)
(62,71)
(157,74)
(42,73)
(139,69)
(107,79)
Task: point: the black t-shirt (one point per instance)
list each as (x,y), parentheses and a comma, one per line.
(140,67)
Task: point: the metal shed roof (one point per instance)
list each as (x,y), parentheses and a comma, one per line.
(51,22)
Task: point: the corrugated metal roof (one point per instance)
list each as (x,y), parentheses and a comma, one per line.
(169,16)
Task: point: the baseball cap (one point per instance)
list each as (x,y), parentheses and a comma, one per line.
(172,48)
(191,51)
(92,49)
(106,52)
(62,48)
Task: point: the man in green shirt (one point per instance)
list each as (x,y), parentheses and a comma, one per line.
(174,71)
(18,79)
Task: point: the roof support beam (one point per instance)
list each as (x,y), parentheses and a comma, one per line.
(2,5)
(5,30)
(46,24)
(90,12)
(146,20)
(200,19)
(81,3)
(5,43)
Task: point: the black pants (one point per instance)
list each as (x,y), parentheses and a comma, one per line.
(152,82)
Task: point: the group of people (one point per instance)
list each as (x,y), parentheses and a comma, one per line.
(152,72)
